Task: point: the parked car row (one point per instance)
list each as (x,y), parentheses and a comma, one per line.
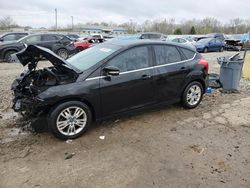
(63,45)
(59,44)
(214,42)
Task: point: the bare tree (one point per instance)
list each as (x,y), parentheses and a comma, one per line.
(7,22)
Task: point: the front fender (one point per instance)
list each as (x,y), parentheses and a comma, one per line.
(74,91)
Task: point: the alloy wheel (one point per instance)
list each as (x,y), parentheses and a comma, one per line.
(71,121)
(194,95)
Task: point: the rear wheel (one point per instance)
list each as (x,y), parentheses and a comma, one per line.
(7,56)
(70,120)
(192,95)
(63,53)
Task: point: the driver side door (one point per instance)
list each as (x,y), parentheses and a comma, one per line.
(133,87)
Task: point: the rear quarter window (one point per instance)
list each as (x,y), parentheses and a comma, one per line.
(166,54)
(189,54)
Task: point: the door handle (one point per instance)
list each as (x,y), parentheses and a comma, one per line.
(145,77)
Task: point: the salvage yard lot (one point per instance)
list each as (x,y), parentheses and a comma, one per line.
(168,147)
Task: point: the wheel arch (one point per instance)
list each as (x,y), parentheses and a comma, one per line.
(190,80)
(8,50)
(75,99)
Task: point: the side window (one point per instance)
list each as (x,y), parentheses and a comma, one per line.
(49,38)
(155,36)
(132,59)
(21,35)
(188,53)
(33,39)
(218,41)
(9,37)
(145,36)
(182,40)
(212,41)
(175,40)
(166,54)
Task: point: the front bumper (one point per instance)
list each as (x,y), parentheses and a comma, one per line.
(31,107)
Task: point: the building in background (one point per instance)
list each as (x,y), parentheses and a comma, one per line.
(102,30)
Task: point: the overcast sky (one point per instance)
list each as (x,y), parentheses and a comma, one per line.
(38,13)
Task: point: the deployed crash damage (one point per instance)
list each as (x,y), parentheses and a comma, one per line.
(33,81)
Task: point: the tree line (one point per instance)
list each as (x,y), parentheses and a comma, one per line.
(166,26)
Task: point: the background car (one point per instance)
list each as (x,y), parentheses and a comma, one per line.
(210,45)
(182,41)
(233,42)
(152,36)
(84,44)
(59,44)
(12,36)
(107,80)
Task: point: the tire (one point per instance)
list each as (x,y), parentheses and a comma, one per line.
(221,49)
(7,56)
(205,50)
(62,120)
(63,53)
(191,100)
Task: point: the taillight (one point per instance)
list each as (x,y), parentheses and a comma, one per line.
(204,63)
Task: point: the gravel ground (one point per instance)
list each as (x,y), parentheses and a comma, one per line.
(166,147)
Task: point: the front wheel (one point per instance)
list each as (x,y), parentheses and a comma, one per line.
(70,120)
(192,95)
(221,49)
(7,56)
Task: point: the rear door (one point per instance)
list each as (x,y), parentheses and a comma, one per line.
(171,68)
(134,87)
(48,41)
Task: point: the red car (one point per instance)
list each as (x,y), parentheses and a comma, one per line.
(82,45)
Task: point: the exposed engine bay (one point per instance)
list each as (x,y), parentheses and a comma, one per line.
(34,81)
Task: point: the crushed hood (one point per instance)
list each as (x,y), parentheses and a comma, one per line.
(32,54)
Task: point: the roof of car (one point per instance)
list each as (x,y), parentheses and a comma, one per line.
(130,43)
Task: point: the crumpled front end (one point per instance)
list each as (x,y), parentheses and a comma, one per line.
(27,87)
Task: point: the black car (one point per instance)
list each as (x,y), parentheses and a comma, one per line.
(106,80)
(59,44)
(7,37)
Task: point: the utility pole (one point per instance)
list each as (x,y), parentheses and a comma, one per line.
(56,18)
(72,22)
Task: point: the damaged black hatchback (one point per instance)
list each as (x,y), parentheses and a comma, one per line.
(106,80)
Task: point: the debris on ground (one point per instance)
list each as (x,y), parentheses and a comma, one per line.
(69,141)
(173,129)
(102,137)
(69,155)
(197,149)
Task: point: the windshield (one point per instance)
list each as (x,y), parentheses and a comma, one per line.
(205,40)
(92,56)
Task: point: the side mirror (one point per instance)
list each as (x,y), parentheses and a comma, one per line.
(111,71)
(1,39)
